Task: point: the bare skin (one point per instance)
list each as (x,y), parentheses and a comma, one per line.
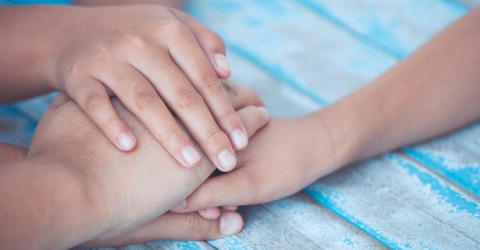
(432,92)
(158,61)
(80,188)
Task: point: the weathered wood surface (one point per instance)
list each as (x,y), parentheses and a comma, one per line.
(302,55)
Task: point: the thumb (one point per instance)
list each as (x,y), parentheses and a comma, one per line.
(211,43)
(187,226)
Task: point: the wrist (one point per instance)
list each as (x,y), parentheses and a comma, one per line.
(81,205)
(70,25)
(334,133)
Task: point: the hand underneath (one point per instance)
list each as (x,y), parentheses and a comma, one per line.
(158,62)
(128,190)
(280,160)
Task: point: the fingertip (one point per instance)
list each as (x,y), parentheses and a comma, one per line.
(222,66)
(239,138)
(191,156)
(126,141)
(230,223)
(212,213)
(227,160)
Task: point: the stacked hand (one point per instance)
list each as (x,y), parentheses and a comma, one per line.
(278,162)
(158,62)
(127,192)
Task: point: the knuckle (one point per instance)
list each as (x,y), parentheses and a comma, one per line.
(145,99)
(91,101)
(134,41)
(210,83)
(174,27)
(188,98)
(76,69)
(198,226)
(175,134)
(231,118)
(214,41)
(216,137)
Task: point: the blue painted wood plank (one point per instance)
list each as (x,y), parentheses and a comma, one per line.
(401,27)
(15,128)
(404,207)
(178,245)
(393,26)
(298,56)
(345,66)
(468,3)
(296,214)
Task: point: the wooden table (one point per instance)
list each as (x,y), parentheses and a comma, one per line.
(301,56)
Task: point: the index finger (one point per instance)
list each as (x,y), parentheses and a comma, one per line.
(192,60)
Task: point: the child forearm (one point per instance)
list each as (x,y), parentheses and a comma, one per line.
(30,35)
(432,92)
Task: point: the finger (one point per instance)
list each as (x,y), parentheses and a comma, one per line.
(218,191)
(93,99)
(189,226)
(207,195)
(254,118)
(211,43)
(192,60)
(139,96)
(188,105)
(241,95)
(211,213)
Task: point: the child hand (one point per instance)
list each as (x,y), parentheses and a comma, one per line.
(278,162)
(157,61)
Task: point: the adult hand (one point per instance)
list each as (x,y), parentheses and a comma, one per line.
(158,62)
(126,190)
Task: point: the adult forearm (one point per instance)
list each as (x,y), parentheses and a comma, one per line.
(30,36)
(432,92)
(45,206)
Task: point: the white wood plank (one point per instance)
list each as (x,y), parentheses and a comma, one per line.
(470,3)
(343,68)
(178,245)
(296,213)
(276,58)
(399,27)
(319,224)
(402,205)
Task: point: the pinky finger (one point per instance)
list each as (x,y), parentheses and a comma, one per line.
(93,99)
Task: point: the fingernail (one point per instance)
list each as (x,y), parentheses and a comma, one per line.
(221,62)
(190,154)
(180,206)
(230,208)
(239,138)
(125,141)
(230,223)
(263,109)
(227,160)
